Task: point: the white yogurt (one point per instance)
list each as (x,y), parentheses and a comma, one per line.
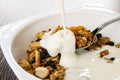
(86,65)
(62,42)
(99,68)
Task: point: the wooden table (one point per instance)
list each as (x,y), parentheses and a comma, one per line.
(5,71)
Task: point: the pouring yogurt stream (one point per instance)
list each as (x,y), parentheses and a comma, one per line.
(63,41)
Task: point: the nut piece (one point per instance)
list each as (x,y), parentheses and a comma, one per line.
(57,29)
(41,72)
(40,34)
(24,63)
(81,41)
(109,61)
(35,65)
(104,53)
(34,45)
(37,56)
(31,57)
(53,77)
(105,39)
(77,28)
(117,45)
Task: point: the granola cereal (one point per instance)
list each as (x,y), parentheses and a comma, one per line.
(104,53)
(40,64)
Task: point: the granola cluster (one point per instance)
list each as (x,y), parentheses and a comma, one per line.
(103,54)
(117,45)
(41,64)
(82,35)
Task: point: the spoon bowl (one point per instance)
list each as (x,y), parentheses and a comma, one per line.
(97,30)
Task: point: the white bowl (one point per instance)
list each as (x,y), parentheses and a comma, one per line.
(15,37)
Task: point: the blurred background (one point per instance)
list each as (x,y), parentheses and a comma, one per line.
(12,10)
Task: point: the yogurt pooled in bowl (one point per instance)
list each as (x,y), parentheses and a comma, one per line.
(85,66)
(63,41)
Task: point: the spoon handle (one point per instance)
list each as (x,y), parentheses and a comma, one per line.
(99,28)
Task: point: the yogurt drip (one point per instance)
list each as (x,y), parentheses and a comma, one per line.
(62,42)
(63,16)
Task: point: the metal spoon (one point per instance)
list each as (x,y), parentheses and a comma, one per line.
(97,30)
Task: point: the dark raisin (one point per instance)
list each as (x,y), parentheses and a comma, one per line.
(112,58)
(44,54)
(38,39)
(95,31)
(99,36)
(49,29)
(87,49)
(111,43)
(50,63)
(59,54)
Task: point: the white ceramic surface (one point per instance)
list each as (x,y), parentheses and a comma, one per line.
(15,37)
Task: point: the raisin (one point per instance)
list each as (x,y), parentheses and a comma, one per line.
(59,55)
(112,58)
(99,36)
(44,54)
(95,31)
(50,63)
(87,49)
(38,39)
(111,43)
